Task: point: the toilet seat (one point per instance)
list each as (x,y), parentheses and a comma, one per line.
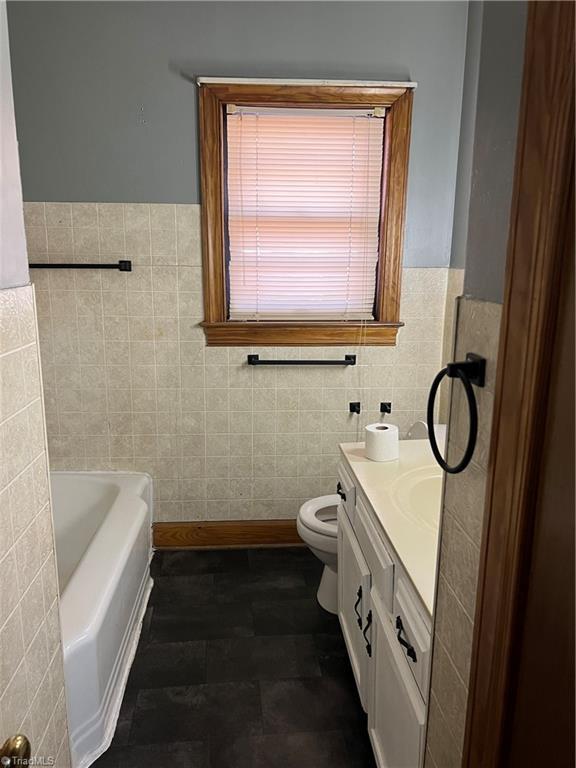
(309,518)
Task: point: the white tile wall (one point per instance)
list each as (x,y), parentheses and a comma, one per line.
(478,324)
(454,289)
(31,676)
(130,383)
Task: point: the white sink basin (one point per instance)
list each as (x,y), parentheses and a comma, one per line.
(418,495)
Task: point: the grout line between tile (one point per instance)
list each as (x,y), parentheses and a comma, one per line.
(20,411)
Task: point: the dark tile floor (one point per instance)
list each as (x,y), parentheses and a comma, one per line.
(239,667)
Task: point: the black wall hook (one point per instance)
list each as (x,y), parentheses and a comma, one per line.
(355,407)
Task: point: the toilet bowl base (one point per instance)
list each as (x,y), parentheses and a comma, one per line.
(328,590)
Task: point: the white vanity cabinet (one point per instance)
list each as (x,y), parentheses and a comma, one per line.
(386,626)
(346,489)
(353,603)
(396,713)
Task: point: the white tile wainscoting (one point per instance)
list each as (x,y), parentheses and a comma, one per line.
(477,330)
(32,697)
(130,384)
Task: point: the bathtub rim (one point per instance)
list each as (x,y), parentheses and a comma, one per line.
(113,472)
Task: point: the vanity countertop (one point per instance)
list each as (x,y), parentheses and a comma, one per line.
(406,497)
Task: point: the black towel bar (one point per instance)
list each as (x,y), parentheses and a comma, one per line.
(348,360)
(123,265)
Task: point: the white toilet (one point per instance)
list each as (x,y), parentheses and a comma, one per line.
(318,528)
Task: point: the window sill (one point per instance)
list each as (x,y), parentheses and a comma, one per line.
(321,334)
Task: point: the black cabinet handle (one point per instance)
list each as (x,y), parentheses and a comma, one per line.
(340,492)
(410,652)
(356,604)
(366,628)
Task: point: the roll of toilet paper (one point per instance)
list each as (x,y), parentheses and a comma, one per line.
(382,442)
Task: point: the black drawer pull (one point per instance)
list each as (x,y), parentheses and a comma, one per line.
(366,628)
(356,604)
(340,492)
(410,652)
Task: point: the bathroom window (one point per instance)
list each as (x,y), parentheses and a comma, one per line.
(303,198)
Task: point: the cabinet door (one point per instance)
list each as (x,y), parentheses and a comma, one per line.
(353,600)
(396,716)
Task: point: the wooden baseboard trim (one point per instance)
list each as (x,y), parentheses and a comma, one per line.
(222,534)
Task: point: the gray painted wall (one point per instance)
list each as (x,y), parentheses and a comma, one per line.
(103,113)
(467,126)
(494,153)
(13,258)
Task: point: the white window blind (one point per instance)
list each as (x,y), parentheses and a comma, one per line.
(303,212)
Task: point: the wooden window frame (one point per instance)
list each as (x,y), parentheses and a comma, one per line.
(213,98)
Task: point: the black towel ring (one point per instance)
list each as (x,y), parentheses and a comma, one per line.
(470,371)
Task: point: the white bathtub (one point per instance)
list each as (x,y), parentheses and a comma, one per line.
(102,527)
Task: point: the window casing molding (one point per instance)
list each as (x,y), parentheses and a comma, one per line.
(213,97)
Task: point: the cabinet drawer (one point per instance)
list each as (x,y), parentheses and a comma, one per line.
(347,491)
(375,552)
(412,635)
